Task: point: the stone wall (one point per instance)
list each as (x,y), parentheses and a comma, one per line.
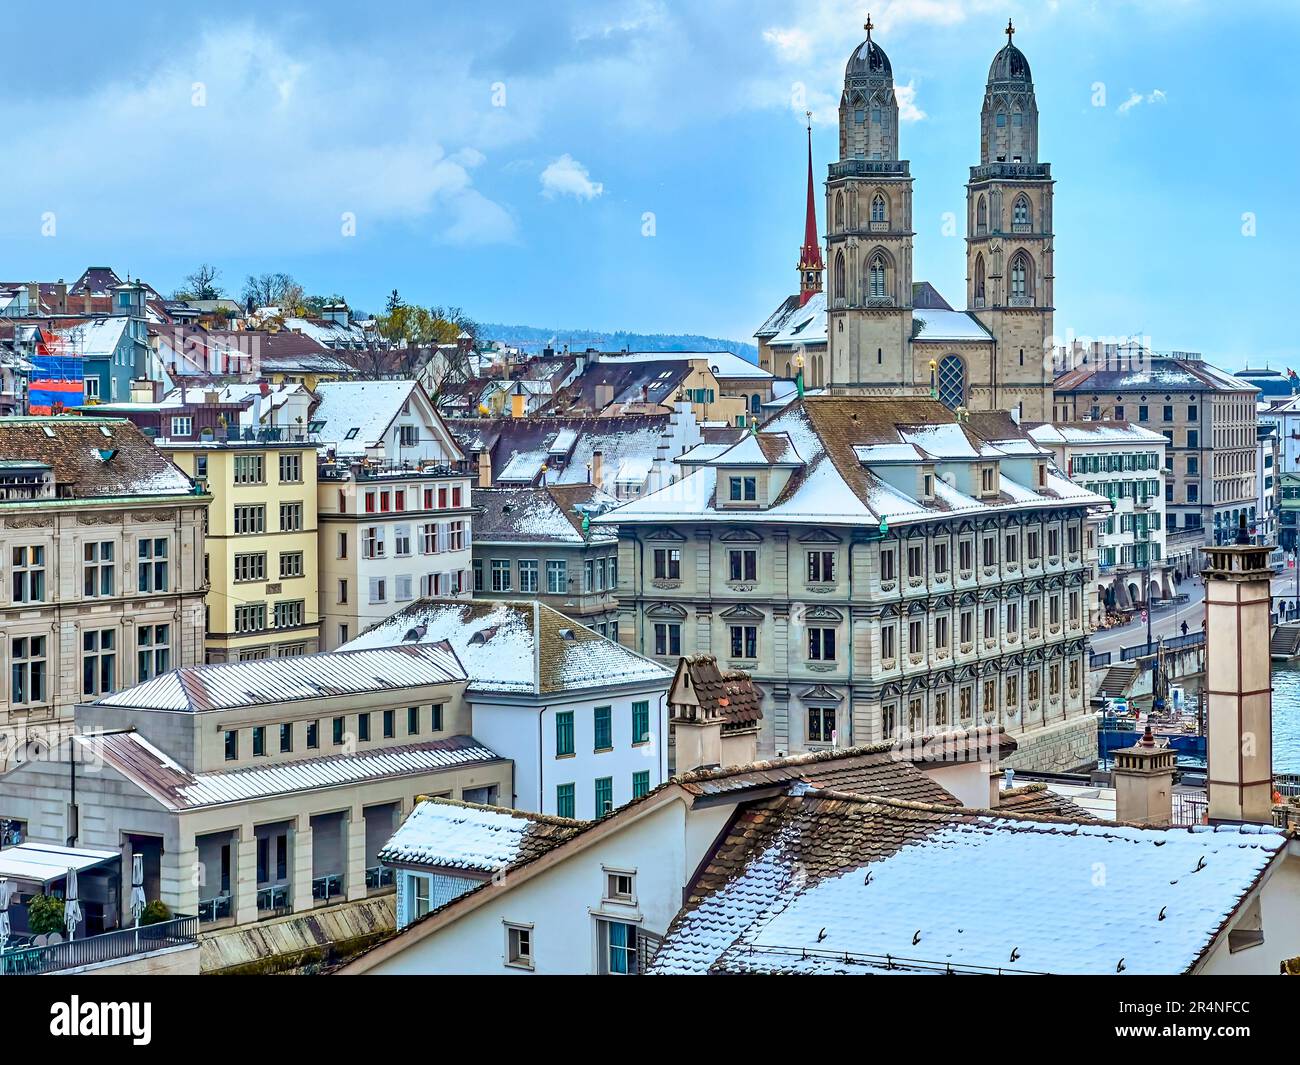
(1057,748)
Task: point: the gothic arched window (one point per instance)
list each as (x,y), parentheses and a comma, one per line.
(1020,212)
(878,208)
(1021,277)
(981,215)
(839,276)
(951,383)
(979,277)
(876,273)
(839,210)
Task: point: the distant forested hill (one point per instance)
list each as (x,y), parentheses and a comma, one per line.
(533,339)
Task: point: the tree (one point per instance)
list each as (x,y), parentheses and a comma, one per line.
(45,915)
(274,290)
(394,301)
(202,284)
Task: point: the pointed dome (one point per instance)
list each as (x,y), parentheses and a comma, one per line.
(868,60)
(1010,64)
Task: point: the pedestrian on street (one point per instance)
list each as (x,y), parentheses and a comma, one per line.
(1184,628)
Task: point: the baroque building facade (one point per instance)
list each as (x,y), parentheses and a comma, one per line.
(878,331)
(881,568)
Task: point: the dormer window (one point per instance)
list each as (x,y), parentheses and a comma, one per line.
(987,480)
(927,485)
(744,489)
(1042,475)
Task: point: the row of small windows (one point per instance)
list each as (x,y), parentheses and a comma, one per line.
(339,735)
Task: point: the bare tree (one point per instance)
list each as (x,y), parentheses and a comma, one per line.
(202,284)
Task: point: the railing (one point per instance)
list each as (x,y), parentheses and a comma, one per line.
(1098,661)
(881,961)
(1287,784)
(122,943)
(1189,809)
(1172,643)
(853,167)
(327,887)
(214,909)
(274,898)
(1010,170)
(378,876)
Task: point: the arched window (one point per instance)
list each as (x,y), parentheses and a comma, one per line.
(951,383)
(1020,211)
(878,208)
(877,277)
(839,210)
(1021,277)
(981,215)
(755,403)
(839,276)
(979,277)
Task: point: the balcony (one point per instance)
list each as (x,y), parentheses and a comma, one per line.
(121,944)
(324,888)
(872,167)
(1010,170)
(378,876)
(217,908)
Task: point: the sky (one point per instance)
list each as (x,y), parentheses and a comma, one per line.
(640,164)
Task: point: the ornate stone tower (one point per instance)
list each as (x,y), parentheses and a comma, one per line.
(1009,273)
(1239,696)
(869,242)
(811,267)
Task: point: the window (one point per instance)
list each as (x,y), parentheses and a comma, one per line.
(557,577)
(604,730)
(1167,414)
(343,545)
(668,638)
(291,517)
(152,651)
(249,469)
(182,425)
(878,208)
(941,633)
(604,795)
(401,541)
(744,489)
(290,564)
(742,565)
(952,382)
(291,468)
(519,938)
(290,614)
(1020,211)
(343,590)
(259,744)
(1193,438)
(286,737)
(388,724)
(965,555)
(1013,619)
(940,558)
(250,617)
(337,730)
(620,886)
(887,642)
(500,568)
(744,641)
(821,567)
(990,623)
(821,645)
(564,805)
(313,735)
(915,638)
(821,724)
(1013,548)
(1020,277)
(412,720)
(876,274)
(363,726)
(250,567)
(378,590)
(98,661)
(249,520)
(528,575)
(640,783)
(990,551)
(29,574)
(372,542)
(640,721)
(232,745)
(564,732)
(915,561)
(886,565)
(667,564)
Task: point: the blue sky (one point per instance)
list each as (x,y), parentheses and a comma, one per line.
(504,157)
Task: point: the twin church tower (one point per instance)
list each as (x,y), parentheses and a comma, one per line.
(886,334)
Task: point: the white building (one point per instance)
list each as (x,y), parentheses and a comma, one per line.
(584,719)
(1126,464)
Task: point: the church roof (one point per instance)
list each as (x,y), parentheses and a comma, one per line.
(868,59)
(1010,64)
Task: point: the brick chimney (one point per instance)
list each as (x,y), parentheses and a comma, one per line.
(1144,781)
(1238,671)
(484,469)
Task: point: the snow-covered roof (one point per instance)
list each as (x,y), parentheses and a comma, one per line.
(444,834)
(835,487)
(825,883)
(702,454)
(728,364)
(932,324)
(516,647)
(357,414)
(761,449)
(180,789)
(1087,433)
(97,338)
(539,514)
(228,685)
(806,325)
(778,317)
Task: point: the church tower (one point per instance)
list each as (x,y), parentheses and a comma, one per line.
(811,267)
(1009,274)
(869,241)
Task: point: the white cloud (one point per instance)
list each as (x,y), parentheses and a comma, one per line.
(792,45)
(1156,96)
(906,97)
(568,177)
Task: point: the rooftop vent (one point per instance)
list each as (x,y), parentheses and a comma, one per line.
(567,634)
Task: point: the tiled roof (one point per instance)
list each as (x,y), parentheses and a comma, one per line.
(822,882)
(228,685)
(730,695)
(94,458)
(180,789)
(446,834)
(536,514)
(522,647)
(1038,798)
(777,319)
(1155,373)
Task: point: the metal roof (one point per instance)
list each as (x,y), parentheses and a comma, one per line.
(230,685)
(44,862)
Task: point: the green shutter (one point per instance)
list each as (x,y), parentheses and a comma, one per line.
(640,722)
(640,783)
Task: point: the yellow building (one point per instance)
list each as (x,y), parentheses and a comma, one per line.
(262,599)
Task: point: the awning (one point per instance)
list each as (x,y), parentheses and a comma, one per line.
(44,863)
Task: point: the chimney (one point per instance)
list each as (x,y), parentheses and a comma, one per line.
(1144,781)
(697,727)
(518,400)
(86,303)
(1239,747)
(61,297)
(34,297)
(484,469)
(597,467)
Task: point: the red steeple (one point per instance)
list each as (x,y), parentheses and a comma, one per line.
(811,266)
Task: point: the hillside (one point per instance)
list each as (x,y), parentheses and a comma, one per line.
(533,339)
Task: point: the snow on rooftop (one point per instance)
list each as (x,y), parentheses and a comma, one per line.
(356,414)
(453,836)
(807,325)
(727,363)
(932,324)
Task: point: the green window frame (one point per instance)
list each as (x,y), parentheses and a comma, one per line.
(564,800)
(604,795)
(604,729)
(640,783)
(641,721)
(564,732)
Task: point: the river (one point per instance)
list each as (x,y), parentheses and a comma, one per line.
(1286,718)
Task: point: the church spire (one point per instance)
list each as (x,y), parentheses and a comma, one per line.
(811,266)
